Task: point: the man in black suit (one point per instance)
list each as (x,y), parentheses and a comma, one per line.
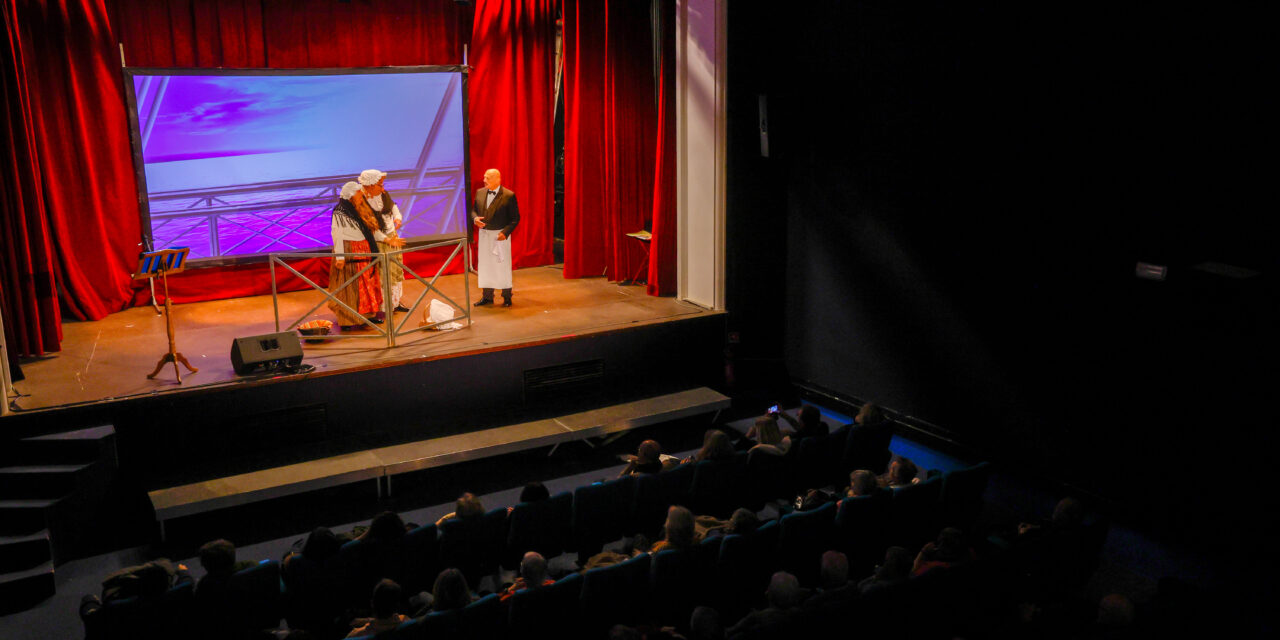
(496,215)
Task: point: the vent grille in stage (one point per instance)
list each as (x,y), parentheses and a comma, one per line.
(575,379)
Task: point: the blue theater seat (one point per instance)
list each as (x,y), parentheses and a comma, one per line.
(614,595)
(542,526)
(546,612)
(802,538)
(601,513)
(913,513)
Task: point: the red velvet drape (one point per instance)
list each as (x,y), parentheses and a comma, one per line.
(610,135)
(662,246)
(511,103)
(32,321)
(68,154)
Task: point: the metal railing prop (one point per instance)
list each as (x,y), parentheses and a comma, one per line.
(390,330)
(277,258)
(459,247)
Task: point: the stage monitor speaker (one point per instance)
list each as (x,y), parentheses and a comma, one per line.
(267,352)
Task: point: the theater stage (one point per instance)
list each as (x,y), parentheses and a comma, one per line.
(566,345)
(109,359)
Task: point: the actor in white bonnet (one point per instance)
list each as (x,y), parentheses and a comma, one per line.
(355,232)
(390,219)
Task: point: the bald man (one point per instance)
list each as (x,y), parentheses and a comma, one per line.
(496,215)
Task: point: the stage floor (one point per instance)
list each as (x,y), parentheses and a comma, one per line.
(110,359)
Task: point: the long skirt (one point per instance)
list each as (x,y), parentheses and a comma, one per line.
(364,295)
(395,271)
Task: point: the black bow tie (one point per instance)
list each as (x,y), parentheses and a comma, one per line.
(493,193)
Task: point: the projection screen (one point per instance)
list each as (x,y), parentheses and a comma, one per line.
(236,164)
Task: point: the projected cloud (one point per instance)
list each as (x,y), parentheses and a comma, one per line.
(242,165)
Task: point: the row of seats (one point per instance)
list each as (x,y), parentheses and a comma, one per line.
(591,516)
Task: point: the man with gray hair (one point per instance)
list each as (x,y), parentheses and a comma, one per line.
(496,214)
(533,574)
(784,595)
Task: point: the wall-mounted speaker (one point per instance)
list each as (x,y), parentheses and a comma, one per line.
(267,352)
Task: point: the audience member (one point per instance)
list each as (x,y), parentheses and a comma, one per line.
(871,415)
(902,472)
(705,624)
(678,531)
(947,551)
(783,596)
(467,507)
(648,459)
(809,425)
(835,570)
(534,492)
(386,527)
(450,591)
(770,438)
(218,558)
(861,483)
(533,574)
(895,569)
(716,445)
(386,598)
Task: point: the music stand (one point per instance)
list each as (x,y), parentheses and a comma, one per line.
(162,263)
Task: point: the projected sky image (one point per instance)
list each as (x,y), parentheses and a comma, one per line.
(244,165)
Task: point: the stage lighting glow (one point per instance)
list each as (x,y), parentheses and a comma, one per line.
(242,163)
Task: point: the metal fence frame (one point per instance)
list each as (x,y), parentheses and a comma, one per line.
(390,329)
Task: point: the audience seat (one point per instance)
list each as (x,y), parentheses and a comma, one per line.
(768,477)
(962,492)
(141,617)
(362,563)
(802,539)
(614,595)
(421,559)
(542,526)
(649,504)
(676,484)
(546,612)
(674,586)
(860,530)
(484,619)
(913,513)
(257,593)
(312,593)
(743,568)
(719,486)
(601,513)
(866,448)
(474,546)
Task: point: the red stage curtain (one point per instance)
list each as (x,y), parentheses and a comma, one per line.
(72,163)
(511,102)
(662,247)
(610,135)
(28,302)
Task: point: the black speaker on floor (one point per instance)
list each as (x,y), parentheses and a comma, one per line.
(267,352)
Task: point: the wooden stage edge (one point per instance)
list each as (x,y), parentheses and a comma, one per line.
(107,361)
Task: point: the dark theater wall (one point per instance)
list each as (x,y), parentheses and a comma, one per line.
(967,188)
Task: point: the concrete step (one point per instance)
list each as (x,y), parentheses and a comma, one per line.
(42,480)
(78,446)
(19,553)
(21,590)
(22,517)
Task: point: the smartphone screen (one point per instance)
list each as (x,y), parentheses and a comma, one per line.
(773,409)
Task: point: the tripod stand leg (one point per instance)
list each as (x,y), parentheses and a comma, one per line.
(184,362)
(164,359)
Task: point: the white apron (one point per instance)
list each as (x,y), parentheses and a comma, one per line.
(495,261)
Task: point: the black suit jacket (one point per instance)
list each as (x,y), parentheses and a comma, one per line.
(503,215)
